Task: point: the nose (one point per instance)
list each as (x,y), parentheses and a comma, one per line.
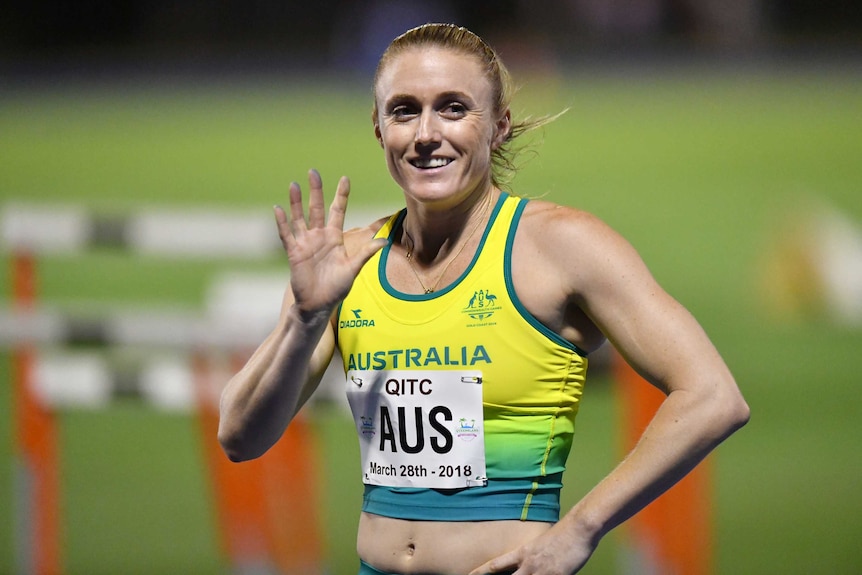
(427,130)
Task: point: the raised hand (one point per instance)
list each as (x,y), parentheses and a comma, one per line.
(321,269)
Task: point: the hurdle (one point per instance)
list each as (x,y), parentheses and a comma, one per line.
(249,498)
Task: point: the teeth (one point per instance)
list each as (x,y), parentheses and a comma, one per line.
(431,162)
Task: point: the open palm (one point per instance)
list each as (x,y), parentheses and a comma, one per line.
(322,271)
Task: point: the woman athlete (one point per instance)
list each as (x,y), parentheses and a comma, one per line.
(465,322)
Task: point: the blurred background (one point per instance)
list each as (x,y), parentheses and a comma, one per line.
(722,138)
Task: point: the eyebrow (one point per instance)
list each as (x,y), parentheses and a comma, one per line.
(450,95)
(398,98)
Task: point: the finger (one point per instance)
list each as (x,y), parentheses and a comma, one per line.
(287,240)
(297,215)
(507,562)
(338,209)
(316,208)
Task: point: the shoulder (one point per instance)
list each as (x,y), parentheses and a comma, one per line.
(542,215)
(577,256)
(567,235)
(589,261)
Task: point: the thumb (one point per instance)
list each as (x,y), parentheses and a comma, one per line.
(367,251)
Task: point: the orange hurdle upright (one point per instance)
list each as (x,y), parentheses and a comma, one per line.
(267,508)
(672,535)
(37,469)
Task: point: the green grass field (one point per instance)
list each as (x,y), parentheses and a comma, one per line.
(696,169)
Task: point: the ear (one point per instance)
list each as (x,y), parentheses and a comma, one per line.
(503,129)
(377,133)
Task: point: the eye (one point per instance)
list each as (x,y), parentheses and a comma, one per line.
(454,110)
(402,112)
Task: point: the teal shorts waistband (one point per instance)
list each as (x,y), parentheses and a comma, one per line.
(366,569)
(532,499)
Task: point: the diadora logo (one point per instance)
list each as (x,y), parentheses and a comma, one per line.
(482,306)
(357,321)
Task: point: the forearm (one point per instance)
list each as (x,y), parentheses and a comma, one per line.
(685,429)
(261,399)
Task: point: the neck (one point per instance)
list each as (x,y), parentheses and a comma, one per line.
(431,236)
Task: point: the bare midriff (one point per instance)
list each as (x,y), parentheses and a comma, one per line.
(444,547)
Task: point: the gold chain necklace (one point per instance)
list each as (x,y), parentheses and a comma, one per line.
(409,255)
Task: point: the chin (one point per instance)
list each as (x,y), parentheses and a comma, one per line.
(433,193)
(431,188)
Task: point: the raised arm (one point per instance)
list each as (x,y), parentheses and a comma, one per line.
(261,399)
(608,282)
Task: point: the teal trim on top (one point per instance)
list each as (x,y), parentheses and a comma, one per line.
(384,257)
(510,286)
(522,499)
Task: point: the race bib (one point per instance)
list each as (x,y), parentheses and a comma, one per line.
(419,428)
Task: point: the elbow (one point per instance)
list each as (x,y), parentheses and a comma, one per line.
(741,413)
(721,410)
(241,442)
(734,412)
(231,448)
(234,447)
(234,435)
(234,455)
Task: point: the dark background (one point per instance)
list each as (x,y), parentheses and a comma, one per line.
(98,36)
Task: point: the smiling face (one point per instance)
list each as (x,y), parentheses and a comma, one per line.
(437,124)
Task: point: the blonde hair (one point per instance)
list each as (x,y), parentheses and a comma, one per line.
(460,39)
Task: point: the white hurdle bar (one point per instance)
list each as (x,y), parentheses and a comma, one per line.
(165,381)
(142,328)
(87,359)
(175,233)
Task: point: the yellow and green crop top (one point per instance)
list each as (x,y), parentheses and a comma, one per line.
(533,379)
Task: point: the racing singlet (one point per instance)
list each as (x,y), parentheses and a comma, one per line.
(464,403)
